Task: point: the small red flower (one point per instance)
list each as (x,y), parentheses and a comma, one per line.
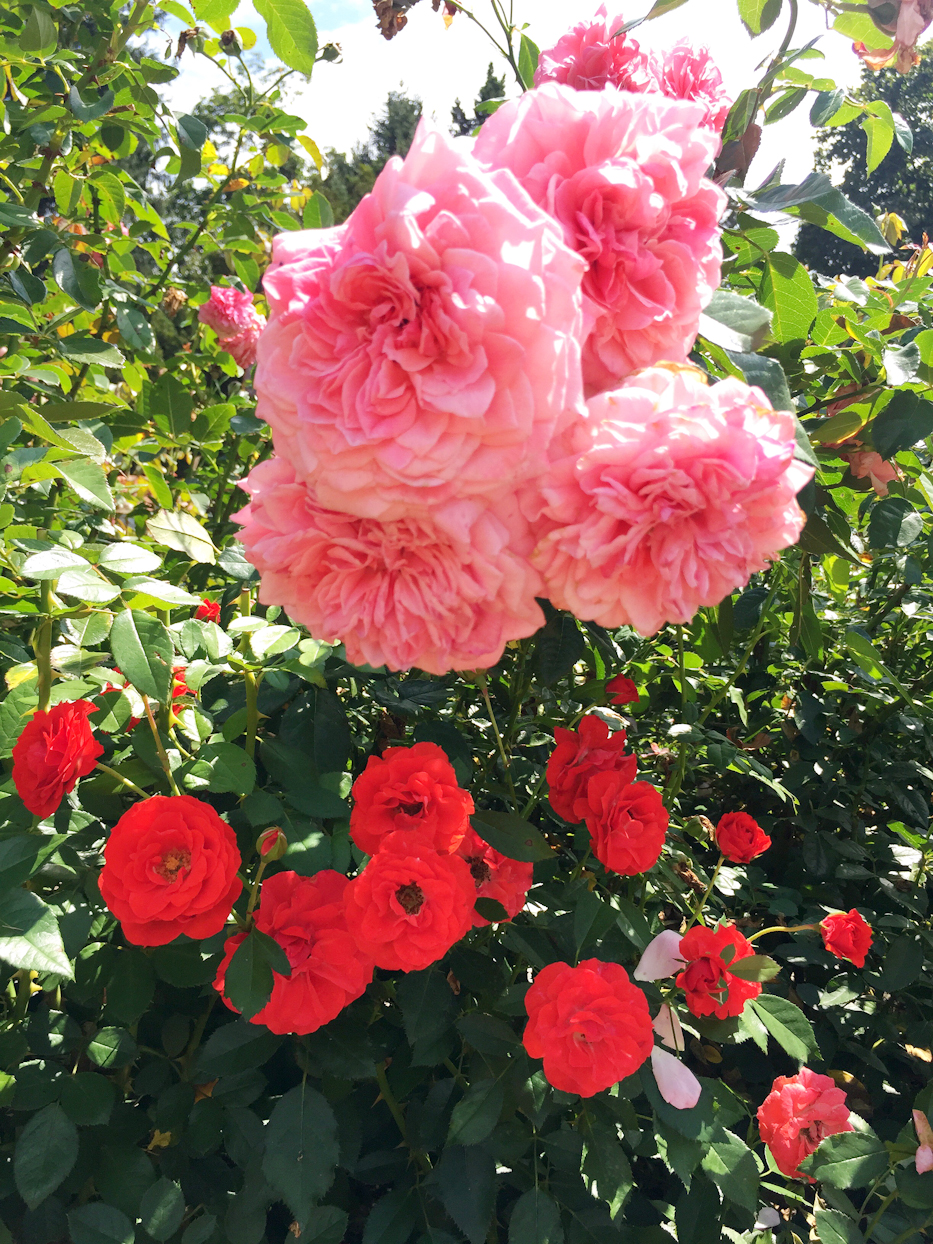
(740,838)
(710,986)
(495,876)
(53,751)
(847,936)
(622,690)
(579,756)
(208,611)
(406,909)
(797,1114)
(272,844)
(412,791)
(627,823)
(180,686)
(305,915)
(170,867)
(589,1024)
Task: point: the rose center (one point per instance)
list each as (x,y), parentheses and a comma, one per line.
(411,809)
(410,898)
(172,863)
(479,869)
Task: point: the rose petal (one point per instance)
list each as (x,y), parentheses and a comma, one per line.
(677,1084)
(661,958)
(667,1026)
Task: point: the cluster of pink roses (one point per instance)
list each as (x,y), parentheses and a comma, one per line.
(478,390)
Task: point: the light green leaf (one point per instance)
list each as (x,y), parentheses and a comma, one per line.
(30,937)
(292,33)
(142,648)
(178,530)
(128,559)
(787,291)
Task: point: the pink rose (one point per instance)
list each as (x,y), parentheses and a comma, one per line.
(592,55)
(438,594)
(625,178)
(866,464)
(913,17)
(680,493)
(691,73)
(426,351)
(237,323)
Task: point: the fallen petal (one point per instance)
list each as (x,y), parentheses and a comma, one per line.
(667,1026)
(924,1159)
(677,1084)
(661,957)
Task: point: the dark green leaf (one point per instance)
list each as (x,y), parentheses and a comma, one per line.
(427,1004)
(191,132)
(98,1223)
(29,935)
(162,1209)
(916,1189)
(607,1166)
(696,1214)
(112,1047)
(326,1224)
(826,105)
(511,835)
(93,111)
(894,523)
(301,1149)
(905,420)
(731,1165)
(222,767)
(248,980)
(476,1115)
(535,1219)
(88,1098)
(78,280)
(787,1024)
(903,963)
(234,1048)
(142,648)
(833,1227)
(558,647)
(393,1218)
(332,741)
(45,1152)
(847,1160)
(465,1180)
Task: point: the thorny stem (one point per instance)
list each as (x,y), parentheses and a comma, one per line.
(43,646)
(481,680)
(749,649)
(698,912)
(389,1098)
(881,1208)
(163,758)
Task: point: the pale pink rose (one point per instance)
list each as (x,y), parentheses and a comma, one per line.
(661,957)
(676,1083)
(691,73)
(624,175)
(866,464)
(684,491)
(427,350)
(237,323)
(438,594)
(592,55)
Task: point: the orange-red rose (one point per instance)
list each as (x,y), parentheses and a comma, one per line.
(711,987)
(589,1024)
(170,867)
(578,757)
(621,690)
(740,838)
(627,823)
(412,791)
(53,751)
(847,936)
(208,611)
(305,916)
(407,909)
(797,1114)
(495,875)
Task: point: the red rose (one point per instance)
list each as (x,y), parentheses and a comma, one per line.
(711,988)
(847,936)
(414,791)
(406,909)
(170,867)
(305,916)
(53,751)
(590,1024)
(495,876)
(797,1114)
(180,686)
(627,822)
(208,611)
(740,838)
(579,756)
(622,690)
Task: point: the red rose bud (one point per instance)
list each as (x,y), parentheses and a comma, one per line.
(53,751)
(847,936)
(272,844)
(740,838)
(208,611)
(622,690)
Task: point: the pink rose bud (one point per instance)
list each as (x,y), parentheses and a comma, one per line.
(676,1083)
(661,958)
(272,844)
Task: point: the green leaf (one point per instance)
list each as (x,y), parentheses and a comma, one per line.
(301,1149)
(759,15)
(222,767)
(755,968)
(292,33)
(787,291)
(734,322)
(428,1006)
(45,1152)
(511,835)
(894,523)
(465,1179)
(192,132)
(833,212)
(878,124)
(134,326)
(98,1223)
(88,586)
(234,1048)
(111,1048)
(89,482)
(559,645)
(817,538)
(128,559)
(731,1165)
(787,1024)
(39,35)
(916,1188)
(476,1115)
(82,348)
(332,740)
(88,1098)
(142,648)
(535,1219)
(326,1224)
(607,1166)
(90,112)
(52,563)
(903,963)
(767,374)
(780,198)
(18,858)
(317,213)
(826,105)
(30,937)
(528,54)
(393,1218)
(833,1227)
(78,280)
(249,980)
(906,420)
(162,1209)
(178,530)
(160,489)
(847,1160)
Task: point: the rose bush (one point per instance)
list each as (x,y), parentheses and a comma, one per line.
(457,789)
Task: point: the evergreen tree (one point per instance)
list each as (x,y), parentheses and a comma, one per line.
(492,88)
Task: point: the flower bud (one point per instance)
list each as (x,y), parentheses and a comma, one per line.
(272,844)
